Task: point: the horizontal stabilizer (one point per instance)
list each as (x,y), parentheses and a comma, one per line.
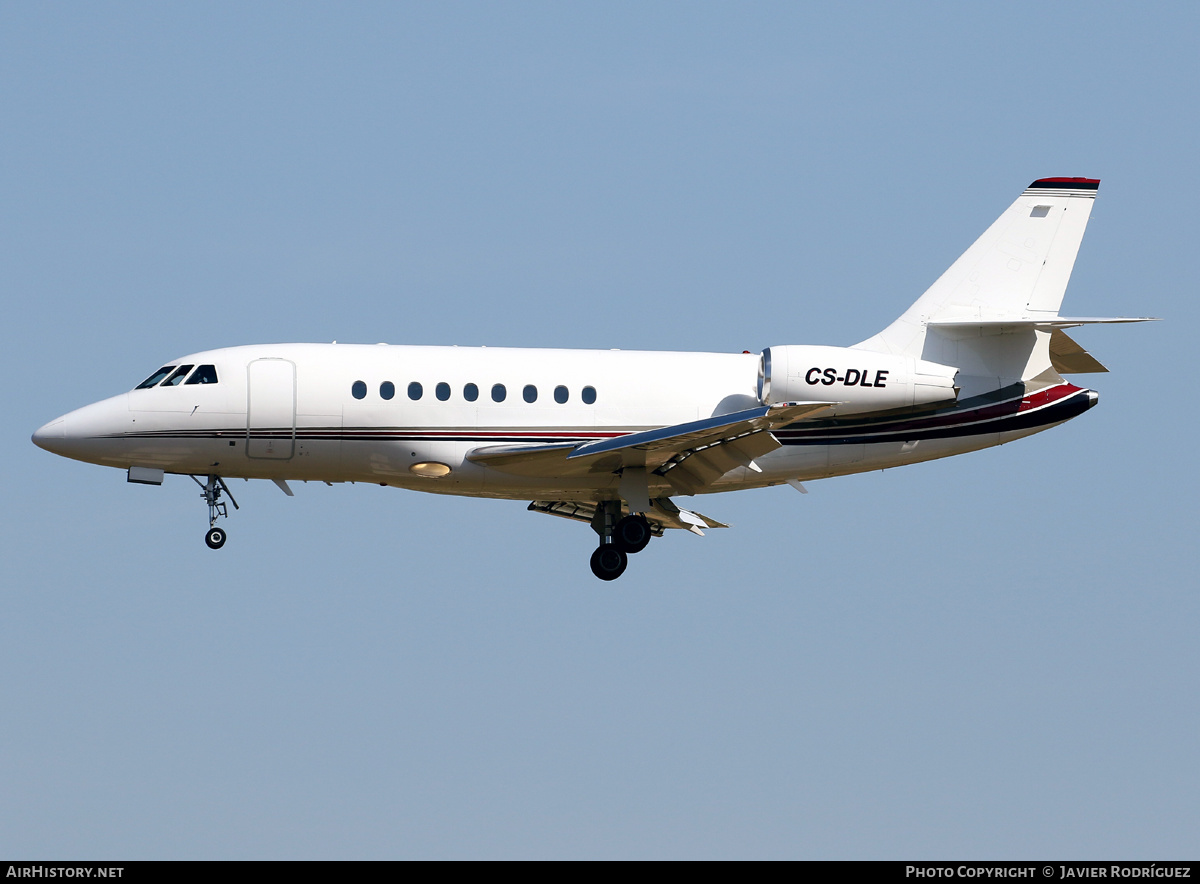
(1045,322)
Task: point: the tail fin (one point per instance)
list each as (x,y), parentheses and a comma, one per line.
(986,313)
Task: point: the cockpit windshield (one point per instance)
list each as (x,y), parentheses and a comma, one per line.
(178,376)
(205,374)
(155,378)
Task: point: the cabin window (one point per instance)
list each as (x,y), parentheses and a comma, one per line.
(177,378)
(415,391)
(561,395)
(155,378)
(589,395)
(359,390)
(205,374)
(529,393)
(442,391)
(498,392)
(387,390)
(470,392)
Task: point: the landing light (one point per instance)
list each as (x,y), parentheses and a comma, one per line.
(430,470)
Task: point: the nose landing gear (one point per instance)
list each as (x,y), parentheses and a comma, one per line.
(211,492)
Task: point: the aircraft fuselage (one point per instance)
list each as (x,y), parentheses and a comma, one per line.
(377,413)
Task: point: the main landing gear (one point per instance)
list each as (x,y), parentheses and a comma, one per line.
(619,539)
(211,492)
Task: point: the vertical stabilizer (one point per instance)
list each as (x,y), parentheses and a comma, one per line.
(1017,272)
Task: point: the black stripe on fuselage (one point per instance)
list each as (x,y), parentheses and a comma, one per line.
(1005,417)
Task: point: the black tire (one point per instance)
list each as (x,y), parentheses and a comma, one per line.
(632,534)
(215,538)
(608,562)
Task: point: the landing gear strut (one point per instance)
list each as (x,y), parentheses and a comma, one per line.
(211,492)
(619,538)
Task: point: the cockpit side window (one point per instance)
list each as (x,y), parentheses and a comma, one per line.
(205,374)
(177,378)
(155,378)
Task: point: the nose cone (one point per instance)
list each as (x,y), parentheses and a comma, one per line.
(86,433)
(50,437)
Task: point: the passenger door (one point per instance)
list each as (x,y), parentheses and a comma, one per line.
(271,409)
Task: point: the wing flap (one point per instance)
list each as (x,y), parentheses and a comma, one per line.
(691,470)
(690,477)
(663,514)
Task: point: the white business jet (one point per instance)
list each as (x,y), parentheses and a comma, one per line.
(614,438)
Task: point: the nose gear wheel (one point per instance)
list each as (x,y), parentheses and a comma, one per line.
(211,490)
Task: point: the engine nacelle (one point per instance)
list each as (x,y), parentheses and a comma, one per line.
(861,380)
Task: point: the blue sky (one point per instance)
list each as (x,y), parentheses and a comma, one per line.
(991,656)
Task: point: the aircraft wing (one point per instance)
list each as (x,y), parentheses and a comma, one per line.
(689,455)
